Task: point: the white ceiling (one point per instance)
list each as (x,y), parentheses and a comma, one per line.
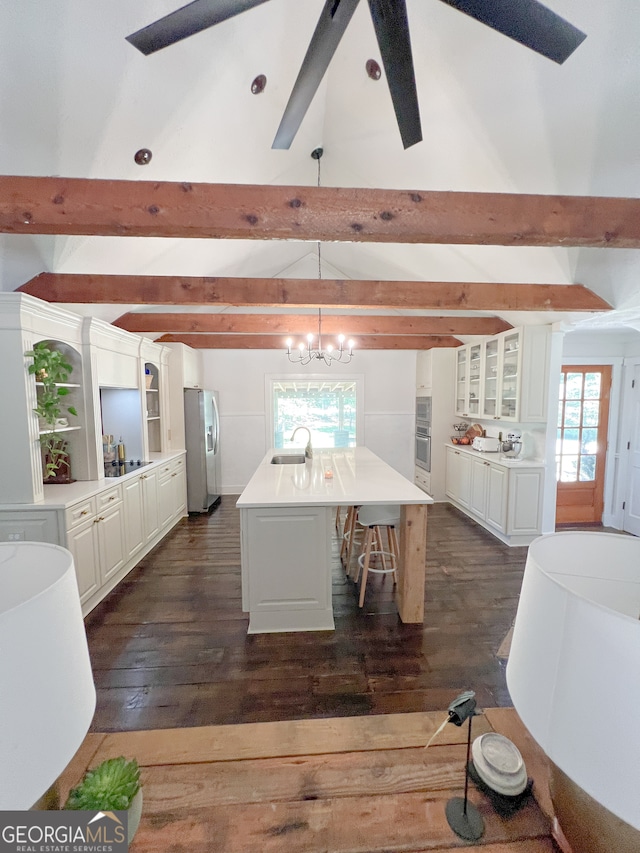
(77,100)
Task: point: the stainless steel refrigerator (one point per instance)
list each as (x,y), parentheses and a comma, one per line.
(202,441)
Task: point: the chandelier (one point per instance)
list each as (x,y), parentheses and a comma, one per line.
(306,353)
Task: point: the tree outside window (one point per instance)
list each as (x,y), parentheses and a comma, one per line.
(328,408)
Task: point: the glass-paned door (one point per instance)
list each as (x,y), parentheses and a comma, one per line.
(581,443)
(461,381)
(510,377)
(475,354)
(490,394)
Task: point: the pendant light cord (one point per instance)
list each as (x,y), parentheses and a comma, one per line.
(318,158)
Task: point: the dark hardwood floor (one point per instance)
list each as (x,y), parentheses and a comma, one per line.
(169,646)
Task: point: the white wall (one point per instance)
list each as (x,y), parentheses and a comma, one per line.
(239,376)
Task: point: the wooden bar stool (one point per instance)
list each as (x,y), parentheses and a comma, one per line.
(350,528)
(374,519)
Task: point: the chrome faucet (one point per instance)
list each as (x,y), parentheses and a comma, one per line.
(308,451)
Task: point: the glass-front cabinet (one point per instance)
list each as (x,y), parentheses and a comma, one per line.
(490,378)
(510,363)
(462,374)
(504,378)
(152,411)
(468,380)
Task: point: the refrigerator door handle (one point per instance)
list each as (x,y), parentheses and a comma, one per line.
(216,421)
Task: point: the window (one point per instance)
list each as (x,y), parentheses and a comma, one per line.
(329,408)
(578,421)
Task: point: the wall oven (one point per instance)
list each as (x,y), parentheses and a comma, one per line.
(423,447)
(423,410)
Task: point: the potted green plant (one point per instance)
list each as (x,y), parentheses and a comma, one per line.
(51,368)
(114,785)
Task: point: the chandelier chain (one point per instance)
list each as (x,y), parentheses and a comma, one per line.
(305,355)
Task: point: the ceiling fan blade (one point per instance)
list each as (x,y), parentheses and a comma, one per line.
(527,22)
(392,31)
(333,21)
(187,21)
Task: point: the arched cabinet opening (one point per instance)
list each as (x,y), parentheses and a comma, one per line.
(56,368)
(152,410)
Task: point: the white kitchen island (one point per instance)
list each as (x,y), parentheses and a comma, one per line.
(286,521)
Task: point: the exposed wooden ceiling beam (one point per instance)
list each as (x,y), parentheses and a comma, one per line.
(54,205)
(378,342)
(300,324)
(296,292)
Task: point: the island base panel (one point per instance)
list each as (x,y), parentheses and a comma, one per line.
(412,568)
(287,568)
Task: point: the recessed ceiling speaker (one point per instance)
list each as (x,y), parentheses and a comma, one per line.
(259,84)
(143,156)
(373,69)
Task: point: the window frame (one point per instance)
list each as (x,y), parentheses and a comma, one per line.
(271,378)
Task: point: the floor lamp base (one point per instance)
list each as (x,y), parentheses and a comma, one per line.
(469,826)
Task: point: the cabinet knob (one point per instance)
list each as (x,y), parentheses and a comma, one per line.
(112,498)
(96,520)
(143,476)
(174,475)
(85,512)
(101,518)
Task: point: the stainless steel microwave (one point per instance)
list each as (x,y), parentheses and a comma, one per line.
(423,410)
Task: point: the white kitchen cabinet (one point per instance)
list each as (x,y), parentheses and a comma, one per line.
(422,479)
(133,515)
(489,484)
(497,497)
(107,525)
(458,478)
(424,371)
(106,387)
(150,513)
(24,321)
(502,495)
(436,370)
(141,513)
(468,380)
(525,501)
(154,379)
(185,370)
(478,486)
(96,538)
(171,491)
(510,382)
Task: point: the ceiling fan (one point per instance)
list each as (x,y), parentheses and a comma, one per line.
(525,21)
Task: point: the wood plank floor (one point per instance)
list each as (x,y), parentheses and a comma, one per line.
(341,785)
(169,646)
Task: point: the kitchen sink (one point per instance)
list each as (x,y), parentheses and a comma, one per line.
(288,459)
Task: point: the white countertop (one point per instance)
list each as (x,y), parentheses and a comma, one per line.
(63,495)
(508,462)
(359,477)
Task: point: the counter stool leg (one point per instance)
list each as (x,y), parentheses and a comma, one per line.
(394,547)
(347,531)
(366,553)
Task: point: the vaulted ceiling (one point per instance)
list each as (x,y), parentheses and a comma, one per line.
(77,101)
